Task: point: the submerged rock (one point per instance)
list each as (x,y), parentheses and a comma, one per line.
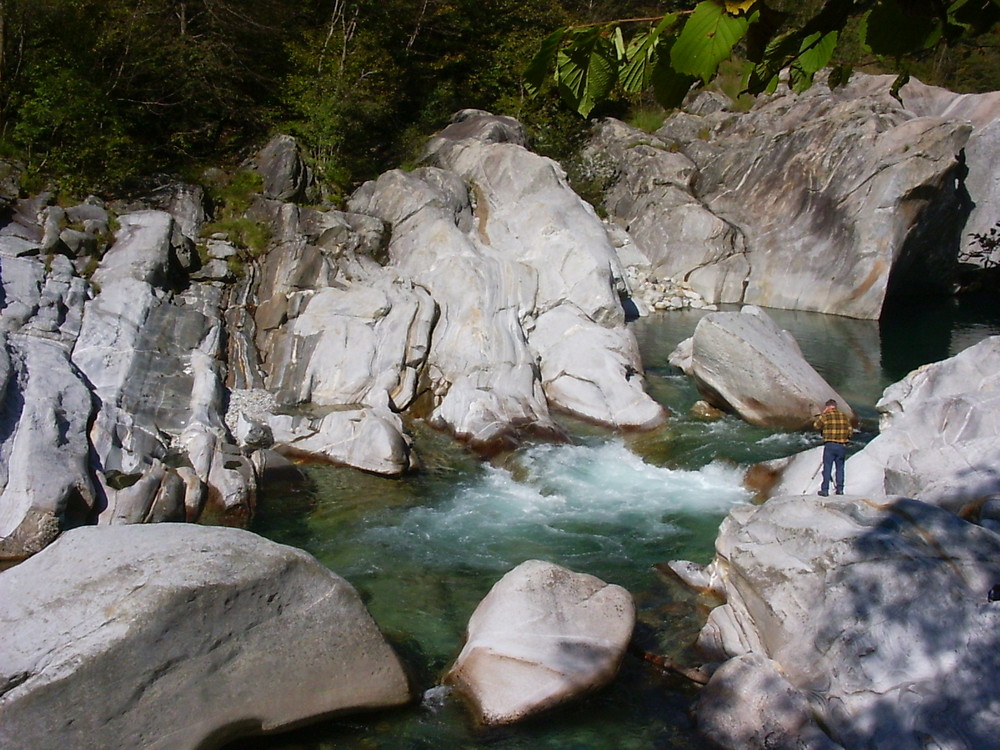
(742,362)
(542,636)
(171,636)
(876,611)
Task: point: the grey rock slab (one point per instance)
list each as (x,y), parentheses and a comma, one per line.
(142,250)
(875,609)
(45,477)
(286,176)
(542,636)
(168,636)
(808,201)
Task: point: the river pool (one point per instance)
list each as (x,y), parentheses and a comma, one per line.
(424,550)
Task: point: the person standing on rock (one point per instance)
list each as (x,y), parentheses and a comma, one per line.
(836,429)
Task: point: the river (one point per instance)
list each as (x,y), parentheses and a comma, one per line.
(424,550)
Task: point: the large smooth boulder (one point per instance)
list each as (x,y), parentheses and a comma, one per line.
(170,636)
(876,610)
(542,636)
(744,363)
(482,374)
(939,436)
(826,201)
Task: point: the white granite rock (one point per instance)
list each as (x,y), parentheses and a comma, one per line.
(808,201)
(542,636)
(170,636)
(877,611)
(742,362)
(939,437)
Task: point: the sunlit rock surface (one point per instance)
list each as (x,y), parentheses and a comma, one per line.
(46,405)
(166,636)
(875,610)
(939,436)
(744,363)
(151,355)
(826,201)
(529,267)
(542,636)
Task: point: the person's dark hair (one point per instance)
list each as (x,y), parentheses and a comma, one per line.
(832,402)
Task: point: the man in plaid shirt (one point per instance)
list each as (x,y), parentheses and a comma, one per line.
(836,429)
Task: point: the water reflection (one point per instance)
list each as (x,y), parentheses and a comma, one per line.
(914,332)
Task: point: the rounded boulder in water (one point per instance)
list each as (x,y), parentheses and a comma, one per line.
(542,636)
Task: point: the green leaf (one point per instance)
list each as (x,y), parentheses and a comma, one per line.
(637,73)
(974,16)
(893,32)
(586,70)
(543,60)
(816,51)
(762,78)
(706,40)
(669,86)
(839,76)
(618,42)
(901,80)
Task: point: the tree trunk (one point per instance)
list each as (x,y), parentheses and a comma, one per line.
(3,42)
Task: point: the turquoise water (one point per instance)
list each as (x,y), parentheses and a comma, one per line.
(424,550)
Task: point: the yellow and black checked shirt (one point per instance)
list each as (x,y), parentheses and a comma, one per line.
(835,425)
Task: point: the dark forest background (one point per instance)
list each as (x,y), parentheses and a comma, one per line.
(94,93)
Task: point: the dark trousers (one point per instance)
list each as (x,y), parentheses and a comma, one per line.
(833,457)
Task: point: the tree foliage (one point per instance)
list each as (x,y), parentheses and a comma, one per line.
(671,53)
(93,92)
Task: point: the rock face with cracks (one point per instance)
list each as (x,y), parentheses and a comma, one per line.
(875,612)
(542,636)
(169,636)
(828,201)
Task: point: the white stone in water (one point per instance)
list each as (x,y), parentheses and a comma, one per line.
(742,362)
(542,636)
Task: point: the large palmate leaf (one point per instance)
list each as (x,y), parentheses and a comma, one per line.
(637,73)
(586,69)
(894,30)
(817,49)
(542,62)
(707,39)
